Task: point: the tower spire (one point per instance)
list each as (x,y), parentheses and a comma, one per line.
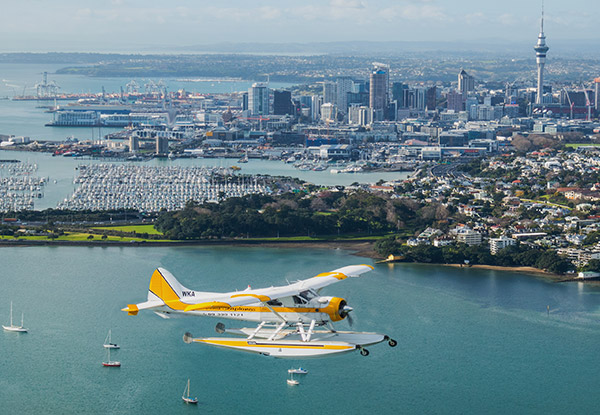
(540,56)
(542,23)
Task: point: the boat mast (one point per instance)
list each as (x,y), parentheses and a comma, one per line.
(11,314)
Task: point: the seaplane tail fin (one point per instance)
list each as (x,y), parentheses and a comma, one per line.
(164,289)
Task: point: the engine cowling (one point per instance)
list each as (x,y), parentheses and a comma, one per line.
(337,308)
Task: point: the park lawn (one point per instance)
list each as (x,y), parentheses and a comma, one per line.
(149,229)
(83,237)
(577,145)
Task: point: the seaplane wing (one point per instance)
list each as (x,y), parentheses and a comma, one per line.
(263,295)
(166,290)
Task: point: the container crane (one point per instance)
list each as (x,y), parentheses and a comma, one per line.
(587,103)
(570,103)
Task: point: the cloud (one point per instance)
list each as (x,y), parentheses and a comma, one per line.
(414,12)
(347,4)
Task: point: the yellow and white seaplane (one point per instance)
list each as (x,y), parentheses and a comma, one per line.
(294,321)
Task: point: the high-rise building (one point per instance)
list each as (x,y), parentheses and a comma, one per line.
(328,112)
(258,99)
(455,101)
(244,101)
(466,83)
(315,107)
(398,89)
(162,145)
(597,94)
(379,82)
(344,85)
(540,57)
(431,98)
(282,103)
(360,115)
(329,92)
(134,143)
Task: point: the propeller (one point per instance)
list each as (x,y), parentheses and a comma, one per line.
(345,310)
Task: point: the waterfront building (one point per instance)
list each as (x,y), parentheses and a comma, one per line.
(468,236)
(162,145)
(497,244)
(379,82)
(540,57)
(466,83)
(258,99)
(134,143)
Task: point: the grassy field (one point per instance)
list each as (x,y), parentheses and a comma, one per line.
(149,229)
(79,237)
(577,145)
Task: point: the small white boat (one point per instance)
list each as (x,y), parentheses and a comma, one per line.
(111,363)
(299,371)
(291,380)
(186,395)
(108,344)
(12,327)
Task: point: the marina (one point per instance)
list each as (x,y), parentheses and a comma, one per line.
(150,189)
(61,172)
(465,336)
(19,186)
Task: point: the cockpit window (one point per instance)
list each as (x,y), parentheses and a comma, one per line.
(307,295)
(298,299)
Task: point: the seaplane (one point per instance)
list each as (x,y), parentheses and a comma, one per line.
(293,321)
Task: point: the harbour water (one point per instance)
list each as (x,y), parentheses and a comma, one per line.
(469,341)
(62,170)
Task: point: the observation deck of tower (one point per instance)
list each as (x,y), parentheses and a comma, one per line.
(540,57)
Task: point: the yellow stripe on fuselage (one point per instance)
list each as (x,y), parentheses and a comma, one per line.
(262,298)
(246,343)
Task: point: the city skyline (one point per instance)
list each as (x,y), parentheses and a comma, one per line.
(130,25)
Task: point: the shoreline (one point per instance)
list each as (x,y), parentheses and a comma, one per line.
(362,248)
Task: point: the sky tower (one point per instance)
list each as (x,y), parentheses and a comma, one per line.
(540,57)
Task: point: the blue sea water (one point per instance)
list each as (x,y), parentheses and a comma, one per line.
(469,341)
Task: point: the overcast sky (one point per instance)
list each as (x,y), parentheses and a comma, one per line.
(125,25)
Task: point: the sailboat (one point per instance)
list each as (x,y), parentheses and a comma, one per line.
(111,363)
(108,344)
(291,380)
(186,395)
(299,371)
(12,327)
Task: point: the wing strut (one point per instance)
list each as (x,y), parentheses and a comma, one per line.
(277,331)
(275,312)
(255,332)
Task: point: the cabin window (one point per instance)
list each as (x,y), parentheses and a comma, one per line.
(307,295)
(274,303)
(298,300)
